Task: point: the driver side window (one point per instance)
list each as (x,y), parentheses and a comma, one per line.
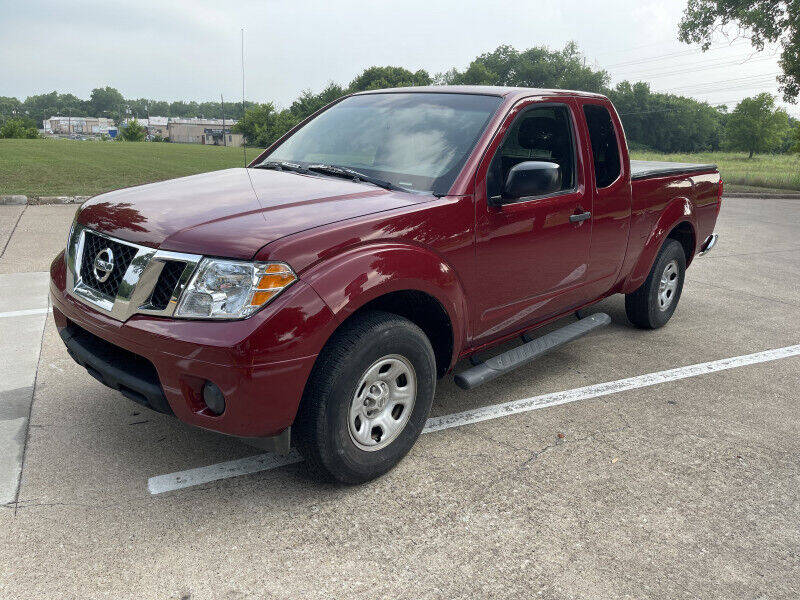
(541,133)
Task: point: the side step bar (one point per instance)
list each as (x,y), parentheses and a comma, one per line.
(522,355)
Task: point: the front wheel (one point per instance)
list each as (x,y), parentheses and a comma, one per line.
(654,302)
(367,398)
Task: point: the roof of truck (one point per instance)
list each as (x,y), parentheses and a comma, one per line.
(484,90)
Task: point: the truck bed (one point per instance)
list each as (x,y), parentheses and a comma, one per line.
(643,169)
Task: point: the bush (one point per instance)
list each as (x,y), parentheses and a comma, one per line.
(132,132)
(19,129)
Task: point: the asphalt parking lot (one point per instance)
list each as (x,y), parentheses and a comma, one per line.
(678,485)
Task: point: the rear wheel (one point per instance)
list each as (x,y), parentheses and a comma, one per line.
(367,398)
(654,302)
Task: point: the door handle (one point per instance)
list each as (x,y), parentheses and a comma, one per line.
(580,217)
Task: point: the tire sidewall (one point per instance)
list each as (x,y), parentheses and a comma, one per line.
(672,250)
(400,338)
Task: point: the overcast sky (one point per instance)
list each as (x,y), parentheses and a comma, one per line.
(181,49)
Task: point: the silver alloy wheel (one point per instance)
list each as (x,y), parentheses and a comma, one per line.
(668,285)
(382,403)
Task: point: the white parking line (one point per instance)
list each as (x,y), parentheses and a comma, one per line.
(264,462)
(20,347)
(23,313)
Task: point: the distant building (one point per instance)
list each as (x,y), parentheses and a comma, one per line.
(204,131)
(183,131)
(154,125)
(78,125)
(158,126)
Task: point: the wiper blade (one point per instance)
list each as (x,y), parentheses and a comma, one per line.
(281,165)
(355,176)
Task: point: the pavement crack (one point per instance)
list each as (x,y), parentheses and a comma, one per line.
(30,411)
(13,230)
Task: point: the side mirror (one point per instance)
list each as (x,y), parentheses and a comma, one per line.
(532,178)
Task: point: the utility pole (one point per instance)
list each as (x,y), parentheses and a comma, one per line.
(244,140)
(224,136)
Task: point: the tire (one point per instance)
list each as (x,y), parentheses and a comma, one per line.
(651,306)
(346,427)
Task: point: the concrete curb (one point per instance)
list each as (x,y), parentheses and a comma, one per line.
(39,200)
(13,199)
(766,196)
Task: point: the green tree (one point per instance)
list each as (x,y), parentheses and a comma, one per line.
(42,106)
(666,122)
(19,128)
(133,131)
(376,78)
(262,124)
(308,103)
(9,107)
(788,140)
(761,21)
(796,140)
(534,67)
(106,101)
(755,125)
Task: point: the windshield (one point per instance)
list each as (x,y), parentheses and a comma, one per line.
(417,141)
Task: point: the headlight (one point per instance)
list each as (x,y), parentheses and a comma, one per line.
(232,289)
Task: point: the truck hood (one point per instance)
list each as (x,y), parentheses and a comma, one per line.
(233,213)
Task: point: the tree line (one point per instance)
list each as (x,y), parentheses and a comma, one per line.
(109,102)
(655,121)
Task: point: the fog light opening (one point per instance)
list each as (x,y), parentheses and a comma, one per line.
(214,398)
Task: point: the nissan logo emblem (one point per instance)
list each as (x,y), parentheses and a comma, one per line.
(103,265)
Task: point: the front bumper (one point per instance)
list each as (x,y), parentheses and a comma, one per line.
(261,364)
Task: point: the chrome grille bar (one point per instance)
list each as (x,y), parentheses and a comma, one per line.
(137,283)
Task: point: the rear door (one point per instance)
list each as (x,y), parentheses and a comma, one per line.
(610,178)
(531,258)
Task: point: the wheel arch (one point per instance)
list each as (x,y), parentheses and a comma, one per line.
(405,280)
(684,233)
(677,221)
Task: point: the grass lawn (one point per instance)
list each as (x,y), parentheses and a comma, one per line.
(779,172)
(74,168)
(50,167)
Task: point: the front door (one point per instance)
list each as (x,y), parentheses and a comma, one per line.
(532,253)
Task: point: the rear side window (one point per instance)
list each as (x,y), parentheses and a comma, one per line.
(604,144)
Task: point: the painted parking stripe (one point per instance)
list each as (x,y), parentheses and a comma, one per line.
(20,348)
(264,462)
(604,389)
(23,313)
(231,468)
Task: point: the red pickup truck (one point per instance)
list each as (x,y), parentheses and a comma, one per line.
(323,289)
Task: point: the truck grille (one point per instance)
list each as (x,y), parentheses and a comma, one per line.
(166,284)
(123,255)
(138,279)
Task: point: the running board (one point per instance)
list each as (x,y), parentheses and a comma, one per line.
(529,351)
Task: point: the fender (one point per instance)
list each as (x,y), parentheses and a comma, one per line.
(677,211)
(353,278)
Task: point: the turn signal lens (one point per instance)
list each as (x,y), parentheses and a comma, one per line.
(276,280)
(260,298)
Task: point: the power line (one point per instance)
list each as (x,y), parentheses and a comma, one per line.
(691,69)
(674,54)
(755,86)
(747,78)
(677,109)
(665,42)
